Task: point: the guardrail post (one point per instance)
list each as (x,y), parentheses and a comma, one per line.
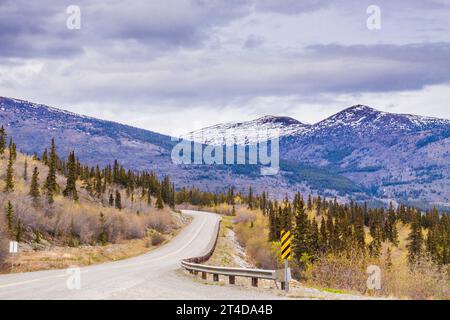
(204,275)
(255,282)
(232,279)
(215,277)
(283,285)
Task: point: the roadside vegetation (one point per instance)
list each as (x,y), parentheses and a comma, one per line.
(50,202)
(334,243)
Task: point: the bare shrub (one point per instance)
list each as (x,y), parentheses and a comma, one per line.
(251,232)
(245,215)
(424,280)
(157,239)
(224,209)
(159,221)
(340,272)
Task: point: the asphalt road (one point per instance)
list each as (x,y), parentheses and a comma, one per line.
(155,275)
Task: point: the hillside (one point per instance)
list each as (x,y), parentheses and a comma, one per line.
(85,230)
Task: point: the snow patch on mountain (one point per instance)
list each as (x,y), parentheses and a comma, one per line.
(249,132)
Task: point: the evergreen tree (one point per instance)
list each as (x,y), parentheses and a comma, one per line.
(102,237)
(50,185)
(149,197)
(388,259)
(301,241)
(71,186)
(3,137)
(358,232)
(111,199)
(250,198)
(98,182)
(375,248)
(309,204)
(10,216)
(319,205)
(323,237)
(314,239)
(9,180)
(25,170)
(159,201)
(415,239)
(34,186)
(118,201)
(45,157)
(12,149)
(37,236)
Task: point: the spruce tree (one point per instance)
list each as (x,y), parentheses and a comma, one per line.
(358,232)
(250,198)
(319,205)
(102,237)
(9,180)
(45,157)
(34,186)
(323,237)
(301,241)
(71,186)
(159,201)
(118,201)
(309,203)
(3,136)
(415,240)
(10,216)
(12,149)
(50,183)
(25,170)
(314,239)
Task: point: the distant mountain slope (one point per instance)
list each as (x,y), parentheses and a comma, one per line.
(359,153)
(392,156)
(247,132)
(96,141)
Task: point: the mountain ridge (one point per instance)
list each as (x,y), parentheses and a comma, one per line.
(362,161)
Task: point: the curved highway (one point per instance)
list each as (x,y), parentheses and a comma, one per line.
(155,275)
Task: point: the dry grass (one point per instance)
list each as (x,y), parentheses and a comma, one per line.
(223,209)
(60,257)
(252,233)
(64,257)
(349,274)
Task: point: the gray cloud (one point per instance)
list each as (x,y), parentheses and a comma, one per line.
(165,56)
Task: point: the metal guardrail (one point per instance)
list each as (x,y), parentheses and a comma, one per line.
(193,266)
(226,271)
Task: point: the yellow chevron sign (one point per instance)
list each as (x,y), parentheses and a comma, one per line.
(286,238)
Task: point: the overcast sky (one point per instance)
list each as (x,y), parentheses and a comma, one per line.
(172,66)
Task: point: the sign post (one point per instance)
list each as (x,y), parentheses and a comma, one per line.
(286,239)
(13,249)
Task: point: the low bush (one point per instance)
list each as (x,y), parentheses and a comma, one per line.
(157,239)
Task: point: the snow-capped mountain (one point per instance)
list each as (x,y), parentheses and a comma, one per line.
(394,156)
(364,119)
(358,153)
(249,132)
